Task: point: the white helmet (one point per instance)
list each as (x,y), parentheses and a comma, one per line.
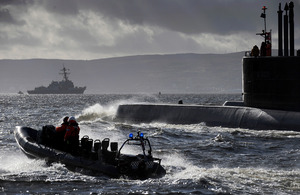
(72,118)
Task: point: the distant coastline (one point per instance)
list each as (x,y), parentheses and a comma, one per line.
(169,73)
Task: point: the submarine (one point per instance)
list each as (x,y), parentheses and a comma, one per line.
(271,90)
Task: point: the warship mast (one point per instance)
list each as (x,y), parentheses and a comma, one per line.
(65,73)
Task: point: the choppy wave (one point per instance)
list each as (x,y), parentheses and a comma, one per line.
(198,159)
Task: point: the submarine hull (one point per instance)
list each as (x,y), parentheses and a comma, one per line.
(225,116)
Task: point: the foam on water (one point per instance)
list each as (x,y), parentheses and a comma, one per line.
(253,179)
(237,179)
(102,112)
(97,112)
(15,162)
(16,166)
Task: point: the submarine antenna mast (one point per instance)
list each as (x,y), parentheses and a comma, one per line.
(291,20)
(285,31)
(263,15)
(266,47)
(280,53)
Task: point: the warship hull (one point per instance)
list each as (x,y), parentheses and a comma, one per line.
(46,91)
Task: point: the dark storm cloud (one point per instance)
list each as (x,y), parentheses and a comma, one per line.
(186,16)
(89,28)
(5,16)
(190,16)
(63,7)
(14,2)
(5,13)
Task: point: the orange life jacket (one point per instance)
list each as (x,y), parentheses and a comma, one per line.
(72,131)
(62,128)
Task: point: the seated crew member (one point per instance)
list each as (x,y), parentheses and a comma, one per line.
(61,131)
(72,136)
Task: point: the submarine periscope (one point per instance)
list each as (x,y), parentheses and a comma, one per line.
(271,90)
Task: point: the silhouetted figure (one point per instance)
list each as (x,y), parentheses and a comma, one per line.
(263,49)
(255,51)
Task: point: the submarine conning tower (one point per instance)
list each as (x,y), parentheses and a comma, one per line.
(273,82)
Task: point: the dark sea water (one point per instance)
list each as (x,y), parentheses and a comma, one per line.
(198,159)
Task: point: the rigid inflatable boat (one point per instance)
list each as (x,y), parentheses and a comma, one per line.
(94,157)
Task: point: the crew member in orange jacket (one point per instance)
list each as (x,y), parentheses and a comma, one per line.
(61,131)
(63,126)
(72,135)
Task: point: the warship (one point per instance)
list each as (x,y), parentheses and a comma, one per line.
(65,86)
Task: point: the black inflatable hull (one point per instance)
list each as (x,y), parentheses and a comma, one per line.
(27,139)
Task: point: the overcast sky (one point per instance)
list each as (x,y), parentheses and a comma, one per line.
(92,29)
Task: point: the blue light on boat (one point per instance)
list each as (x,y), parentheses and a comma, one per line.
(141,135)
(130,135)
